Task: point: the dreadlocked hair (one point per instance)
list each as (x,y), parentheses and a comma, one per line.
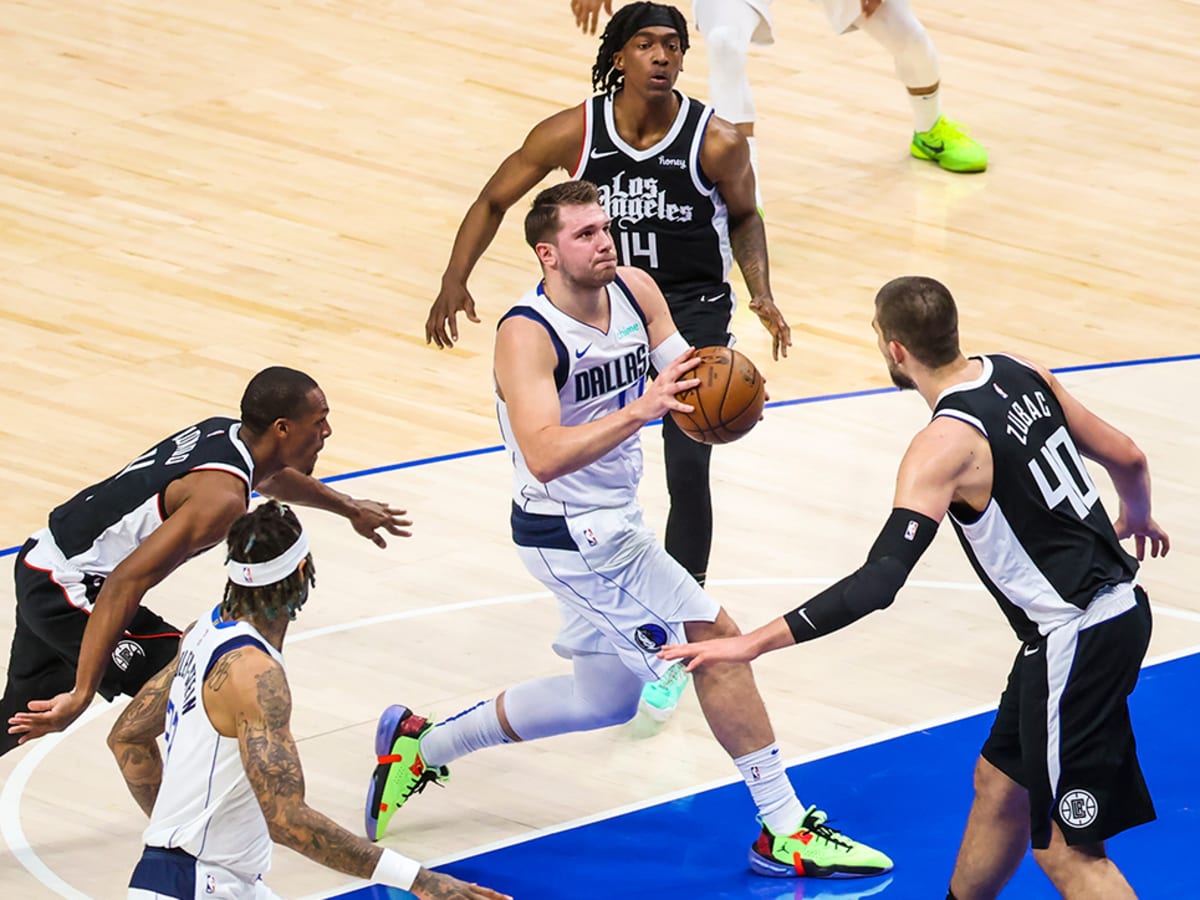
(625,23)
(256,537)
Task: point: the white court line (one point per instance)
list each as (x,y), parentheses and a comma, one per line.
(535,833)
(14,787)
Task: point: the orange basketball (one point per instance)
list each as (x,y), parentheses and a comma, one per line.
(727,403)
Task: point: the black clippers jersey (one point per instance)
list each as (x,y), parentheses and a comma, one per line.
(104,523)
(1044,546)
(667,217)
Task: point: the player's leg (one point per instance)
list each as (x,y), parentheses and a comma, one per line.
(794,841)
(894,26)
(413,752)
(1081,871)
(996,836)
(997,831)
(1098,788)
(729,27)
(689,531)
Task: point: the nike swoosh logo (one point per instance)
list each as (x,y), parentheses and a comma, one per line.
(597,155)
(712,299)
(579,353)
(805,617)
(1029,651)
(932,147)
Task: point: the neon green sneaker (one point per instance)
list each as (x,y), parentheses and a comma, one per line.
(401,771)
(948,144)
(659,698)
(815,851)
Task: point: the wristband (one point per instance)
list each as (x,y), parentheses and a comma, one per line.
(396,870)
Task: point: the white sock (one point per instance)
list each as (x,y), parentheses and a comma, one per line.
(772,792)
(927,109)
(471,730)
(758,201)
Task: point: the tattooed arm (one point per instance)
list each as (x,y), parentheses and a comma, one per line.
(247,695)
(133,739)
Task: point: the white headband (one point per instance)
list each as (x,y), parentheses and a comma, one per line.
(271,571)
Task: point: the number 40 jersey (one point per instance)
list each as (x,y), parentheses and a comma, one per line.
(1044,546)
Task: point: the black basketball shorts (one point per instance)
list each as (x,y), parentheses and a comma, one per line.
(1062,730)
(52,612)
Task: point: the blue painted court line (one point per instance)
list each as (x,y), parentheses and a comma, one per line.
(774,404)
(908,795)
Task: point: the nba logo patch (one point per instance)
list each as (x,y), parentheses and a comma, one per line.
(590,537)
(210,884)
(911,531)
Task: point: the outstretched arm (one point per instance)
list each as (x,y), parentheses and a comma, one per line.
(367,517)
(249,691)
(937,464)
(202,520)
(552,144)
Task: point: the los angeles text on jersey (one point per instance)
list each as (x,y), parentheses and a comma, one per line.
(631,200)
(612,375)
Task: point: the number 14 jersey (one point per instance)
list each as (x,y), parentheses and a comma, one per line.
(668,219)
(1044,546)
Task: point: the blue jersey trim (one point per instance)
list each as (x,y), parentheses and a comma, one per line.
(536,530)
(560,370)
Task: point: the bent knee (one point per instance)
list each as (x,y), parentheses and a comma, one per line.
(726,44)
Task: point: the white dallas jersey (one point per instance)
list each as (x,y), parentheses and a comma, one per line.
(206,805)
(598,372)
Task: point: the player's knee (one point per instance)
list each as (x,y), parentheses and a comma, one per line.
(725,47)
(616,709)
(688,475)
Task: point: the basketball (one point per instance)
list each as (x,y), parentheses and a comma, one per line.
(728,401)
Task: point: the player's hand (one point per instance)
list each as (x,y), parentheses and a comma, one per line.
(659,398)
(436,886)
(781,333)
(869,6)
(45,716)
(738,649)
(369,516)
(587,13)
(451,300)
(1160,541)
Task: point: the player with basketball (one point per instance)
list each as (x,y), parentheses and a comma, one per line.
(677,182)
(571,363)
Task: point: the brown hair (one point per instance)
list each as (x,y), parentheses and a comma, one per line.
(919,313)
(541,222)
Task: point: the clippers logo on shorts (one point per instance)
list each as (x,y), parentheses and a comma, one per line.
(125,653)
(1078,808)
(650,637)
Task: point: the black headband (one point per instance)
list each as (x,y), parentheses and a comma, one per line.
(651,15)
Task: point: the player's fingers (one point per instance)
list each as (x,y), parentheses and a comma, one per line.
(1166,543)
(469,309)
(1140,543)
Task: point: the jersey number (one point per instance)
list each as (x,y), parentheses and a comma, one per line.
(1071,480)
(635,244)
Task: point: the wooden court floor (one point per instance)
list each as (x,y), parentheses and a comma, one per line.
(189,193)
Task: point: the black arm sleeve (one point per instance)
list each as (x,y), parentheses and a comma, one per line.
(905,536)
